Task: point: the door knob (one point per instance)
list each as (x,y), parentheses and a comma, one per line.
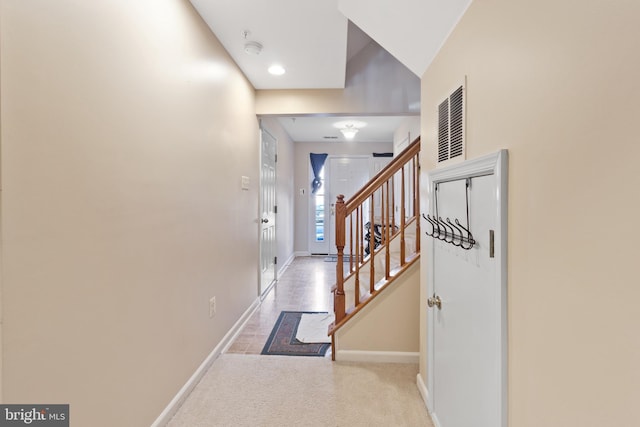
(265,220)
(435,300)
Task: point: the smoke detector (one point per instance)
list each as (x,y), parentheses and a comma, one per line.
(253,48)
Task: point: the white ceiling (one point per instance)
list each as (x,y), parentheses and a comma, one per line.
(307,37)
(313,40)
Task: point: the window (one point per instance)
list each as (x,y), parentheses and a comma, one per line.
(318,210)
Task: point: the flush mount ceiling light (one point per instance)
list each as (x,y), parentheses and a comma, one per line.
(349,128)
(276,70)
(349,131)
(253,48)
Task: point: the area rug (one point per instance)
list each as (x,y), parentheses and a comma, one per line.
(283,342)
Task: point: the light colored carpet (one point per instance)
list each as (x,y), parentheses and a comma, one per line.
(313,327)
(247,390)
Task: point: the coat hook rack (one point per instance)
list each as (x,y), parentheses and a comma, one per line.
(448,231)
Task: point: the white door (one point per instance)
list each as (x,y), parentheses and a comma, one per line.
(268,244)
(467,351)
(346,176)
(462,328)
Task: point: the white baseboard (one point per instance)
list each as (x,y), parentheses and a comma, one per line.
(286,264)
(435,420)
(424,392)
(377,356)
(303,253)
(222,346)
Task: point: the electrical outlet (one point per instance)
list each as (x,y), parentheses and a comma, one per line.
(212,307)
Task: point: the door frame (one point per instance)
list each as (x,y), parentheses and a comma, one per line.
(492,164)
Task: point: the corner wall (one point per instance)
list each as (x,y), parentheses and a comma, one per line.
(556,83)
(125,130)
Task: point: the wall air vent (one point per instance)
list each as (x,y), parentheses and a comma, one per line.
(451,129)
(330,137)
(443,131)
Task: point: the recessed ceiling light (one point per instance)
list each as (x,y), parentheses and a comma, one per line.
(276,70)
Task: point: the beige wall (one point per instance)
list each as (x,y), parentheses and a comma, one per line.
(390,323)
(409,128)
(556,83)
(125,131)
(301,177)
(303,101)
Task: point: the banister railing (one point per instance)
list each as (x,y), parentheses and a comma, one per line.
(378,233)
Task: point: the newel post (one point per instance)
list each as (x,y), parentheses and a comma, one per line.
(339,298)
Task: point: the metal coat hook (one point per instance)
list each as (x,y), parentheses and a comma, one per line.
(459,231)
(442,232)
(445,230)
(433,233)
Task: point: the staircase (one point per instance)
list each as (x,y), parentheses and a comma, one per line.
(377,236)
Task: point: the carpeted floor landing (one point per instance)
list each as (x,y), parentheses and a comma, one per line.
(247,390)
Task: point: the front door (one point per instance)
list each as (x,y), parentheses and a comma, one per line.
(346,176)
(268,244)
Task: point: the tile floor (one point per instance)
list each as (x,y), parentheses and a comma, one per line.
(304,286)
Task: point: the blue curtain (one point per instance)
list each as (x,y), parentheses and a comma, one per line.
(317,162)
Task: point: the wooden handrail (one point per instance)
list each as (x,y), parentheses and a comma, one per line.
(362,207)
(384,175)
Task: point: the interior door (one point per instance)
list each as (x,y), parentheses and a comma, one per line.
(346,176)
(467,327)
(268,242)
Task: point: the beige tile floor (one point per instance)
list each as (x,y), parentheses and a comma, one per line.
(304,286)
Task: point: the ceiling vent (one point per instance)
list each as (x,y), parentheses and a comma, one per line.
(451,126)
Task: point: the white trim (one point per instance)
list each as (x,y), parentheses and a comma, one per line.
(286,264)
(495,163)
(424,392)
(222,346)
(279,273)
(302,253)
(377,356)
(435,420)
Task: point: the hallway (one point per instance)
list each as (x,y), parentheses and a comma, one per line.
(304,286)
(244,388)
